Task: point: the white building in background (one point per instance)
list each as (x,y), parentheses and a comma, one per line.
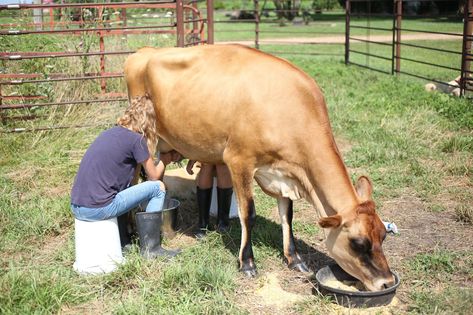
(15,1)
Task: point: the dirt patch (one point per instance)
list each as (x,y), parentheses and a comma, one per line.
(90,307)
(421,231)
(341,39)
(273,294)
(58,191)
(274,291)
(50,245)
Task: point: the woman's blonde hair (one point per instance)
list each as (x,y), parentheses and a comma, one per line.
(140,117)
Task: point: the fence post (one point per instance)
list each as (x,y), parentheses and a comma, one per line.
(398,30)
(195,24)
(51,18)
(103,82)
(38,16)
(256,3)
(347,31)
(210,22)
(180,23)
(123,18)
(466,49)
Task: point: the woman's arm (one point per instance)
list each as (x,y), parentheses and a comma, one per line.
(156,172)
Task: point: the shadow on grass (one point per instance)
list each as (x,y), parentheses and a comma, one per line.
(266,233)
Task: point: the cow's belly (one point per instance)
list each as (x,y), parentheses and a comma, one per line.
(277,182)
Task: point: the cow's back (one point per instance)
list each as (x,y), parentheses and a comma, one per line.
(205,96)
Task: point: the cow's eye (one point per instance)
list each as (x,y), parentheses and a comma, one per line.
(360,244)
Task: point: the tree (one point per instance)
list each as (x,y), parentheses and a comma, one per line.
(287,9)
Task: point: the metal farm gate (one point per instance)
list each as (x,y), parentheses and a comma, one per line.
(390,37)
(293,27)
(62,55)
(54,56)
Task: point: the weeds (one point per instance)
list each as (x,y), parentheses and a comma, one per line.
(447,301)
(437,262)
(464,213)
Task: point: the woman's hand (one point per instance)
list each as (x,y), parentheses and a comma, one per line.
(156,172)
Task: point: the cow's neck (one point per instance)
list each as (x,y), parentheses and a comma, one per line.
(333,191)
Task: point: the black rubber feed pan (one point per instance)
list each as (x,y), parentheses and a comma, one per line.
(352,298)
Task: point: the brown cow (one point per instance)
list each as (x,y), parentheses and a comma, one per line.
(267,120)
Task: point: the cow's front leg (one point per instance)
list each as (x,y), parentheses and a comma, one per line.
(294,261)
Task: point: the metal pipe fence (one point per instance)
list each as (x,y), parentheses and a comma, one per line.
(294,28)
(45,56)
(409,49)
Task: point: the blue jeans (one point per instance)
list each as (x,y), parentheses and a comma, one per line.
(124,201)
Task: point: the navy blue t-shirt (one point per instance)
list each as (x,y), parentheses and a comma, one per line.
(108,167)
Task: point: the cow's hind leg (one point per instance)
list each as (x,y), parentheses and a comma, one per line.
(242,178)
(294,261)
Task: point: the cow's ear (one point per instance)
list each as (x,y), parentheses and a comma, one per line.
(331,221)
(364,189)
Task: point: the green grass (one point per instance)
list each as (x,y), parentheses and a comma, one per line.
(407,140)
(397,130)
(327,24)
(437,292)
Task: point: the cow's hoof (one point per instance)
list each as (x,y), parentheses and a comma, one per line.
(299,266)
(249,272)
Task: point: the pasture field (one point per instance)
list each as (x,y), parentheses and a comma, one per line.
(416,147)
(327,24)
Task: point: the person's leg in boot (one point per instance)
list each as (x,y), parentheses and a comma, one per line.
(224,201)
(204,198)
(125,236)
(224,197)
(149,224)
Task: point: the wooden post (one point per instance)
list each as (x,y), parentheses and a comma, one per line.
(210,22)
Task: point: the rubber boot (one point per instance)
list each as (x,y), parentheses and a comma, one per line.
(224,201)
(125,237)
(148,225)
(204,198)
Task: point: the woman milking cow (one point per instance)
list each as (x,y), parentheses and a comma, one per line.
(267,121)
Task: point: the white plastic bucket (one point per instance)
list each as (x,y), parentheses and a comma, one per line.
(214,204)
(98,248)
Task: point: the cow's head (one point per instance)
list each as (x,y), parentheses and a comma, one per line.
(355,239)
